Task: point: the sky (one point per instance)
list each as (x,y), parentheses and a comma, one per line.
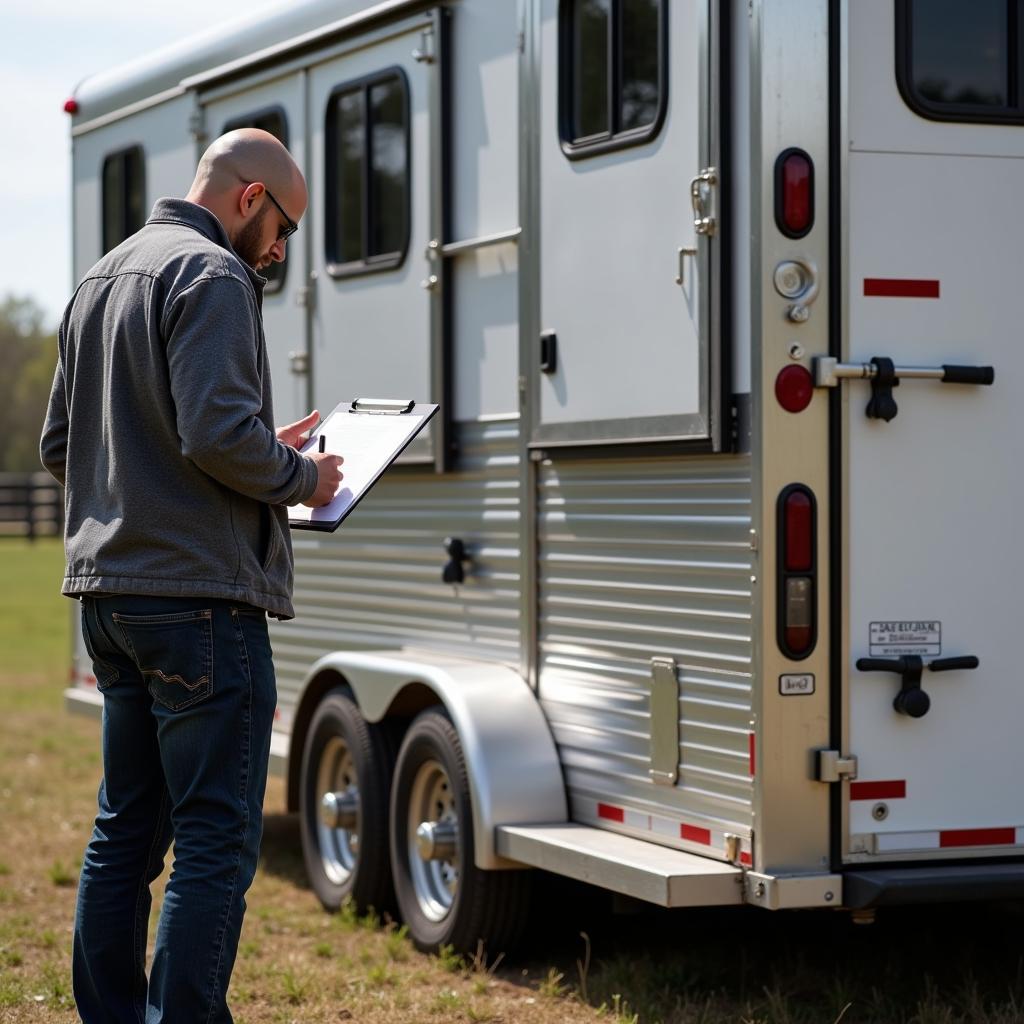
(46,48)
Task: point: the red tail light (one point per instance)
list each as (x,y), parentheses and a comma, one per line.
(794,193)
(71,106)
(797,571)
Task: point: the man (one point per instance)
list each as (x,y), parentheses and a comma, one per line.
(160,427)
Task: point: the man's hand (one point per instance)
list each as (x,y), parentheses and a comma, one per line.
(329,476)
(292,434)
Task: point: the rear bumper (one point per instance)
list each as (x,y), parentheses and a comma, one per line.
(881,887)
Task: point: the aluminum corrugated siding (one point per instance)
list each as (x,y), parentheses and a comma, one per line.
(376,582)
(638,558)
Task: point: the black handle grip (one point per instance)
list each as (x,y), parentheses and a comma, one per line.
(951,664)
(881,665)
(968,374)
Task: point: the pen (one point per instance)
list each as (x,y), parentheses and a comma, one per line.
(323,441)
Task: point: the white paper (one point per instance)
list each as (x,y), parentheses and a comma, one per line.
(367,442)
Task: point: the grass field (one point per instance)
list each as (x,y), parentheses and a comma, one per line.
(937,965)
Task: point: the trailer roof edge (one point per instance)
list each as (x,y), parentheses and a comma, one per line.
(220,53)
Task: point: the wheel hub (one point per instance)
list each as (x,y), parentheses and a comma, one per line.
(436,840)
(340,810)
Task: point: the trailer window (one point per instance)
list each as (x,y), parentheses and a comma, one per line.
(367,166)
(124,195)
(961,62)
(273,120)
(613,86)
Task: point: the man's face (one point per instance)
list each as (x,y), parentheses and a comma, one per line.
(257,238)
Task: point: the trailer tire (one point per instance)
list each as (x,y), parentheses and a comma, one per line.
(345,846)
(444,898)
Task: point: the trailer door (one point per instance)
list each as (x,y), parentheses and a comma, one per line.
(629,217)
(935,219)
(275,104)
(371,114)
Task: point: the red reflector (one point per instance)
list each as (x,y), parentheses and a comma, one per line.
(978,837)
(693,834)
(892,790)
(798,639)
(71,106)
(794,193)
(799,532)
(610,813)
(794,388)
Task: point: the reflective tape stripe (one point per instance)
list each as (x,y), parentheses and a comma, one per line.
(895,789)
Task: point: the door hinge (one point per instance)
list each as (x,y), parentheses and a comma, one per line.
(305,296)
(298,362)
(424,53)
(833,767)
(702,190)
(196,126)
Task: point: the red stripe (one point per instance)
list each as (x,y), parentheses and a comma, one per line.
(611,813)
(745,858)
(895,789)
(978,837)
(752,748)
(901,288)
(695,835)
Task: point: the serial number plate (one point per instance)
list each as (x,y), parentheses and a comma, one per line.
(906,636)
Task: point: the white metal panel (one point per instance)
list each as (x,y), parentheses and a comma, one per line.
(932,495)
(283,318)
(485,113)
(486,332)
(880,120)
(484,199)
(371,332)
(611,226)
(642,558)
(163,133)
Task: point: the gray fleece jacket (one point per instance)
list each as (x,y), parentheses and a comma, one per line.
(161,428)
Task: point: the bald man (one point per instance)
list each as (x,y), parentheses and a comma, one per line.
(161,428)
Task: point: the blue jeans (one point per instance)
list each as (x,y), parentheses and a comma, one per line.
(189,698)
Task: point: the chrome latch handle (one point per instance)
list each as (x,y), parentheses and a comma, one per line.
(701,190)
(885,375)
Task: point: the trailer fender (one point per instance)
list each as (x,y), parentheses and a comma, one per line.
(514,773)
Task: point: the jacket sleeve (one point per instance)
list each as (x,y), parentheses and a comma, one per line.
(53,445)
(212,357)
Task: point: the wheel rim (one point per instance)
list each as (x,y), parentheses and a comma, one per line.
(339,847)
(435,881)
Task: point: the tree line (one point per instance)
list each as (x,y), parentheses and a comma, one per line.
(28,353)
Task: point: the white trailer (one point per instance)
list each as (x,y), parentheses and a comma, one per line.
(670,599)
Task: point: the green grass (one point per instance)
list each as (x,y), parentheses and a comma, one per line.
(35,620)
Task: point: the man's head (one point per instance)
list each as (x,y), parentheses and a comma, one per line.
(250,183)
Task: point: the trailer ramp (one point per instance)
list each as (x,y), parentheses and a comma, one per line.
(669,878)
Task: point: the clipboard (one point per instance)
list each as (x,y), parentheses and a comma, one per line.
(369,433)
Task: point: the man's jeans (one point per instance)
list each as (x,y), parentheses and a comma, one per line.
(189,698)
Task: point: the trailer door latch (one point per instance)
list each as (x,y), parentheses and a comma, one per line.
(833,767)
(884,375)
(912,700)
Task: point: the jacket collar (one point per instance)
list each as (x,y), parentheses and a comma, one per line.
(181,211)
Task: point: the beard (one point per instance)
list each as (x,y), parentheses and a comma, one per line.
(248,243)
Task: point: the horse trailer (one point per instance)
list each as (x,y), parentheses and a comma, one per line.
(697,588)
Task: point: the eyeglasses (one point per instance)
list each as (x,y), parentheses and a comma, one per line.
(292,227)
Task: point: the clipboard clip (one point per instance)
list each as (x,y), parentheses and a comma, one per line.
(382,406)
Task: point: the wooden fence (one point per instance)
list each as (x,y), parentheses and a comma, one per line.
(31,505)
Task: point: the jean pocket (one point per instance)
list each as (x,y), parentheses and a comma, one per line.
(106,674)
(174,653)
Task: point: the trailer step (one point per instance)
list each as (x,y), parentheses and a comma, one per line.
(669,878)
